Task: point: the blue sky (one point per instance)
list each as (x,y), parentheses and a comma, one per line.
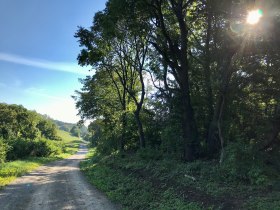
(38,51)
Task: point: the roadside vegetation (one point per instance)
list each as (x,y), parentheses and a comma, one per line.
(28,140)
(184,103)
(142,181)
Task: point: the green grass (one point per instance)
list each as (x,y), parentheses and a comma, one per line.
(131,191)
(11,170)
(66,137)
(71,143)
(138,183)
(263,202)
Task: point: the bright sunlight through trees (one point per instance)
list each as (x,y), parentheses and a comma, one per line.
(254,16)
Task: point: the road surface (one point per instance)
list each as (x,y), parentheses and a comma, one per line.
(58,185)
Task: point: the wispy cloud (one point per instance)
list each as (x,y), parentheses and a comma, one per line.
(54,66)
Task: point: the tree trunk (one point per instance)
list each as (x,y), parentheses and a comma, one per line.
(175,53)
(207,70)
(142,142)
(189,129)
(271,137)
(124,124)
(213,131)
(214,142)
(190,132)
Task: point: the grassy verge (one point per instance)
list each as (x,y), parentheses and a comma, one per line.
(137,183)
(11,170)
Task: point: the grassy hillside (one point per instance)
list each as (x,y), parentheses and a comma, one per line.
(11,170)
(68,126)
(71,143)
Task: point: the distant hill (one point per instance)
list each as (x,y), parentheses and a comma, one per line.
(68,126)
(63,125)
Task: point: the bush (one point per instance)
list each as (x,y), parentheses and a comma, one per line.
(45,148)
(21,148)
(244,164)
(150,154)
(172,142)
(3,150)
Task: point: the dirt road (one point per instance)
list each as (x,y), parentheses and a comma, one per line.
(58,185)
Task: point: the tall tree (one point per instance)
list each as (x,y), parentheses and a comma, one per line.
(115,45)
(171,41)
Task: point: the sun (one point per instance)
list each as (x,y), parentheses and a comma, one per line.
(254,16)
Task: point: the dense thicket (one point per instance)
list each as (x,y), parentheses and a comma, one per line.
(23,133)
(191,79)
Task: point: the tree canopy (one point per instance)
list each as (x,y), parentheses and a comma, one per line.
(191,78)
(18,122)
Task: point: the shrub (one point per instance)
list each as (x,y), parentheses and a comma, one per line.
(244,164)
(21,148)
(45,148)
(150,154)
(172,142)
(3,150)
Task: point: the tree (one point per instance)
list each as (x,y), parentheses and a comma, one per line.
(48,129)
(75,131)
(172,16)
(209,68)
(115,45)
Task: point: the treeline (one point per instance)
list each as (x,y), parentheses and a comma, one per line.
(74,129)
(186,79)
(25,133)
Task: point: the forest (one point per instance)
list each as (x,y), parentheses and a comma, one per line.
(183,88)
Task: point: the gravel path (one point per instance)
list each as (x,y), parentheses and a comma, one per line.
(58,185)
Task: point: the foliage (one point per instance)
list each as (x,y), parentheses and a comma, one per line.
(66,136)
(3,150)
(144,182)
(187,80)
(22,148)
(130,191)
(61,149)
(10,170)
(26,133)
(68,126)
(183,77)
(69,142)
(214,97)
(18,122)
(31,137)
(245,164)
(63,126)
(48,129)
(75,131)
(150,154)
(260,203)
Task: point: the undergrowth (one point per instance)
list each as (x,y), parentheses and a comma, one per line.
(144,183)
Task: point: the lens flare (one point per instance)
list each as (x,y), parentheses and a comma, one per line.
(254,16)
